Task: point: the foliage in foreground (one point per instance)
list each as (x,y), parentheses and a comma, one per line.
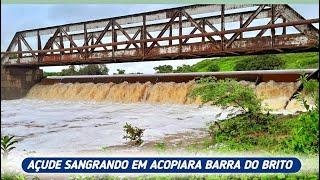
(133,133)
(7,145)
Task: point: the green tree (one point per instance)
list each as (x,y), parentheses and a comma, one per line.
(93,69)
(121,71)
(227,92)
(184,69)
(70,71)
(164,69)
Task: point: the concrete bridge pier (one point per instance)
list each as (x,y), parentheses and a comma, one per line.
(17,81)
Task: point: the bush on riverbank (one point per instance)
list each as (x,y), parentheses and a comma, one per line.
(262,62)
(253,130)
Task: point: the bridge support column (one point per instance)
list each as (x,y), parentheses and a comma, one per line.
(17,81)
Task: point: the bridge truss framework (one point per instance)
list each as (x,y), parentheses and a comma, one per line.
(178,33)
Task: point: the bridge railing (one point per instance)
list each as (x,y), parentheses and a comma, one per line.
(184,32)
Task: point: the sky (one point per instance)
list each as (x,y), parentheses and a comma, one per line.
(28,16)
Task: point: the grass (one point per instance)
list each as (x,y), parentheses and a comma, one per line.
(292,61)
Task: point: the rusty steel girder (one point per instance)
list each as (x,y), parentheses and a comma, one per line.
(177,33)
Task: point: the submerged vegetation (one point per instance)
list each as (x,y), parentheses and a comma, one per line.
(133,133)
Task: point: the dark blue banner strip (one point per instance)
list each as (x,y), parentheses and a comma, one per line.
(160,165)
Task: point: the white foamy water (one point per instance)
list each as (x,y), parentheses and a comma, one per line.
(58,126)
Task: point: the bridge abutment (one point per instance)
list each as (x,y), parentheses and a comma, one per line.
(17,81)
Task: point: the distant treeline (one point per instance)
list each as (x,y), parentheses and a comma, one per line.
(92,69)
(234,63)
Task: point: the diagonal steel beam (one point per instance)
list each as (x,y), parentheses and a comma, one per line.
(102,35)
(246,24)
(291,15)
(193,22)
(150,36)
(277,16)
(174,16)
(212,27)
(27,45)
(133,38)
(95,37)
(192,32)
(51,39)
(125,33)
(70,39)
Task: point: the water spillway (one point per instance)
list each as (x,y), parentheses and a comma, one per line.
(274,94)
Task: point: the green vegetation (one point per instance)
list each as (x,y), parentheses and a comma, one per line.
(265,62)
(227,92)
(161,146)
(253,130)
(92,69)
(7,145)
(183,69)
(241,63)
(213,67)
(164,69)
(134,134)
(121,71)
(290,61)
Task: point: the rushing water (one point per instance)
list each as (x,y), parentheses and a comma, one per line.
(57,126)
(76,117)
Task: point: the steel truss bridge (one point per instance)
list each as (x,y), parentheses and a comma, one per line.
(177,33)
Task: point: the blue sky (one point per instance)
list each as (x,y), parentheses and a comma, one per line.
(20,17)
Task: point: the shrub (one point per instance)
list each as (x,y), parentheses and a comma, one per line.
(304,136)
(227,92)
(164,69)
(133,133)
(262,62)
(213,67)
(184,69)
(121,71)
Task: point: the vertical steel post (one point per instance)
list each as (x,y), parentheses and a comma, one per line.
(85,34)
(222,26)
(61,41)
(284,29)
(204,28)
(144,35)
(39,45)
(241,24)
(19,48)
(272,22)
(180,31)
(113,39)
(170,35)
